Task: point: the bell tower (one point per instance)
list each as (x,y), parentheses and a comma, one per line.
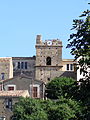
(48,59)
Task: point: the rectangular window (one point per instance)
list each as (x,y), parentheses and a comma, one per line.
(10,88)
(71,66)
(2,76)
(22,65)
(18,65)
(25,65)
(8,103)
(35,92)
(67,66)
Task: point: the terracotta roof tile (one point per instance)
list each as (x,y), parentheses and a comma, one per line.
(16,93)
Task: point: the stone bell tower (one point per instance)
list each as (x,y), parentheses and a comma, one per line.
(48,59)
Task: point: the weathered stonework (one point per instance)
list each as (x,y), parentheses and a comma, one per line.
(58,66)
(47,64)
(6,106)
(29,71)
(6,67)
(53,50)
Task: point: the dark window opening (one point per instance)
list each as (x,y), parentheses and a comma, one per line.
(2,76)
(18,65)
(10,88)
(71,66)
(25,65)
(48,61)
(22,65)
(67,66)
(48,79)
(8,103)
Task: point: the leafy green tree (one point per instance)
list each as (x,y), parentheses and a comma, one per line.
(29,109)
(79,43)
(37,109)
(62,86)
(65,109)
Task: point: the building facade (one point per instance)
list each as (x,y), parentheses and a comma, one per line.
(23,82)
(6,68)
(46,65)
(49,62)
(32,73)
(24,65)
(7,100)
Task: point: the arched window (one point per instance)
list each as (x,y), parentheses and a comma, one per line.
(48,61)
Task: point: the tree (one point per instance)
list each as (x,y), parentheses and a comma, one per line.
(29,109)
(37,109)
(65,109)
(61,86)
(79,41)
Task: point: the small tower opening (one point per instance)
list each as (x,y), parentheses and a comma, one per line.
(48,61)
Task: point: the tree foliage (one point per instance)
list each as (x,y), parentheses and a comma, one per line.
(65,109)
(29,109)
(79,41)
(71,102)
(61,86)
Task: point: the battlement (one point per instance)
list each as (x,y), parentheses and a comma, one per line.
(49,42)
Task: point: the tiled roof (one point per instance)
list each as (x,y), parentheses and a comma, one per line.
(16,93)
(21,76)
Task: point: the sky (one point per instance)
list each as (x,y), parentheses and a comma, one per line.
(22,20)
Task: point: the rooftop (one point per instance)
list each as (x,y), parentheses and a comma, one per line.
(16,93)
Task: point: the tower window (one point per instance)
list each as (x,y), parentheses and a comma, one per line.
(48,61)
(48,79)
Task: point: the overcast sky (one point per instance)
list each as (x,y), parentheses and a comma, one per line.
(22,20)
